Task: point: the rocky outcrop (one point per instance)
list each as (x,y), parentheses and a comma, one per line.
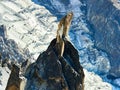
(104,18)
(52,73)
(14,80)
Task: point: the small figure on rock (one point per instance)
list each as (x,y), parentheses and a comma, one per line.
(63,28)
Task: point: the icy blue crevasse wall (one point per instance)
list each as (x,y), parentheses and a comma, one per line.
(80,35)
(105,19)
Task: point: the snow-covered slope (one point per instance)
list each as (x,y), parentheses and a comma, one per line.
(32,27)
(29,25)
(94,82)
(10,50)
(4,75)
(116,3)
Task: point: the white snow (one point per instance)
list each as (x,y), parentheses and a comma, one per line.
(94,82)
(116,3)
(26,23)
(4,75)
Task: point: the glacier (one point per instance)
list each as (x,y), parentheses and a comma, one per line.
(33,26)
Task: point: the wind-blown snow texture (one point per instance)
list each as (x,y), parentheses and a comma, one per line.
(29,25)
(10,49)
(32,27)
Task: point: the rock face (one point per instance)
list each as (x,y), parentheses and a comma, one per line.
(105,20)
(52,73)
(14,80)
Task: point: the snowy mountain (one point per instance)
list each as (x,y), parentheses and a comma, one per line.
(9,49)
(31,27)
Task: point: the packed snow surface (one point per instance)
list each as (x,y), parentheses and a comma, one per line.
(4,75)
(31,26)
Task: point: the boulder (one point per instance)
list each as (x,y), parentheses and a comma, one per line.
(52,73)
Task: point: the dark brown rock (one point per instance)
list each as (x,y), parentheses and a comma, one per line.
(52,73)
(14,80)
